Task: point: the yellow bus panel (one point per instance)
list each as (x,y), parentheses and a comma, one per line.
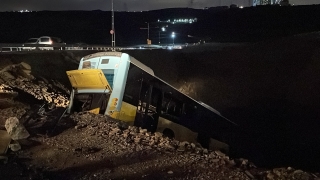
(88,79)
(127,113)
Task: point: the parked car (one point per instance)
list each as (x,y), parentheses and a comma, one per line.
(45,41)
(30,42)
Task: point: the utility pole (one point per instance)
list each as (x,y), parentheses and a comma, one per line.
(112,32)
(148,40)
(148,30)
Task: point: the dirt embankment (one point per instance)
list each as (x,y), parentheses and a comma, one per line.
(269,88)
(88,146)
(46,64)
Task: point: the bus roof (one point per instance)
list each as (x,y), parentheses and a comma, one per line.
(119,54)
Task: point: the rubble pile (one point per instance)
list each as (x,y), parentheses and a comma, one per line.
(98,147)
(11,112)
(18,76)
(99,137)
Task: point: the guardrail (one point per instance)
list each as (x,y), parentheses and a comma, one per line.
(31,47)
(39,47)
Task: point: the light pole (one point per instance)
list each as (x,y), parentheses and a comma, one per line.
(112,32)
(148,29)
(162,29)
(148,40)
(173,35)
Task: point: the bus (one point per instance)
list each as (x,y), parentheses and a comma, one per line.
(119,86)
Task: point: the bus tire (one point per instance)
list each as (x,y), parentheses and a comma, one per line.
(204,140)
(168,133)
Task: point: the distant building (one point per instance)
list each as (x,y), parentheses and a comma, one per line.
(268,2)
(180,21)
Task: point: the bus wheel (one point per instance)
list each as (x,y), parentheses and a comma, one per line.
(204,140)
(168,133)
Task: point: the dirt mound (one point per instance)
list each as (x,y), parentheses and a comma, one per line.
(269,88)
(51,65)
(33,78)
(102,148)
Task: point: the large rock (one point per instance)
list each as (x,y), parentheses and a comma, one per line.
(25,66)
(15,129)
(15,146)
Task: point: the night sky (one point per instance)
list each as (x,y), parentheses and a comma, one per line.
(123,5)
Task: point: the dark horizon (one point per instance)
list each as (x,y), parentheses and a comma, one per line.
(126,5)
(220,24)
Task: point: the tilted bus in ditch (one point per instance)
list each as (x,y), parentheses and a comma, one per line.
(118,85)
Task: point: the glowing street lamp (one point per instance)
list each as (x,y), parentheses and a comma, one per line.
(113,36)
(162,29)
(173,35)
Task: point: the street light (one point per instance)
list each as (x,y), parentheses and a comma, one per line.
(148,29)
(113,36)
(162,29)
(173,35)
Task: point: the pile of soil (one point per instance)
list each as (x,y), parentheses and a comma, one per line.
(88,146)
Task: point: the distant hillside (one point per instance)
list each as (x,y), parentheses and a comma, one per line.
(219,24)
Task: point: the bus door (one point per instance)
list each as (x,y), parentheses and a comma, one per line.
(149,107)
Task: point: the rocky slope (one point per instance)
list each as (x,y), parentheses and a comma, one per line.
(88,146)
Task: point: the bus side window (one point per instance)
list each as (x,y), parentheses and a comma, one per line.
(176,108)
(166,102)
(165,105)
(171,105)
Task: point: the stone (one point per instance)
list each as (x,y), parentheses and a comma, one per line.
(297,171)
(184,143)
(181,149)
(215,160)
(205,151)
(25,73)
(270,176)
(137,140)
(8,75)
(219,153)
(25,66)
(15,129)
(125,134)
(15,146)
(80,126)
(249,174)
(143,131)
(232,162)
(158,134)
(114,131)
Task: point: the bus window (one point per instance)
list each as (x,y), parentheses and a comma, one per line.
(171,106)
(109,74)
(148,108)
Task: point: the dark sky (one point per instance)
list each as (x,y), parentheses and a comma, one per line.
(130,5)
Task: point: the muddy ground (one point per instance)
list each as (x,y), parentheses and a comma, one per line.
(269,88)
